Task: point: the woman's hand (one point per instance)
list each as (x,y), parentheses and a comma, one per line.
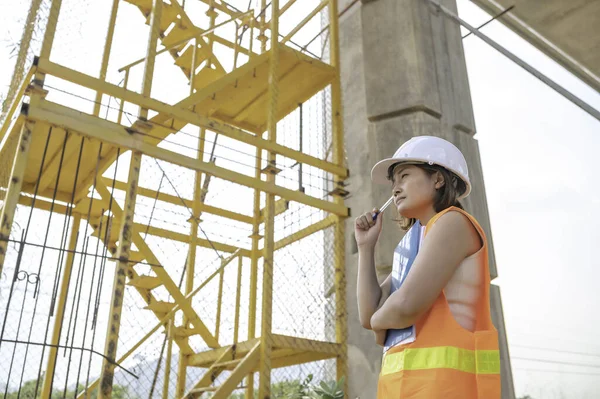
(367,230)
(380,337)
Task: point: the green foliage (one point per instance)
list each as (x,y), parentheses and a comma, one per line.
(283,390)
(28,392)
(296,389)
(331,390)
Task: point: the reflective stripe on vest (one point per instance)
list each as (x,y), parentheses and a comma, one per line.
(447,357)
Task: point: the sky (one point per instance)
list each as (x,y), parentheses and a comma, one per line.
(538,153)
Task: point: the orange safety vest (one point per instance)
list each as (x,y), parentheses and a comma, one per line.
(446,361)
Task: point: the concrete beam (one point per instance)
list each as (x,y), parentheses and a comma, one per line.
(403,74)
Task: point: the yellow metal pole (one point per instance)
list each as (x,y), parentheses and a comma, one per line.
(235,45)
(151,53)
(302,23)
(126,233)
(122,104)
(190,269)
(116,302)
(106,53)
(251,55)
(193,65)
(24,45)
(49,37)
(236,324)
(212,14)
(341,330)
(256,225)
(14,184)
(10,112)
(60,308)
(170,333)
(254,257)
(267,293)
(219,303)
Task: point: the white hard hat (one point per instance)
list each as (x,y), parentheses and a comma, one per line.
(426,149)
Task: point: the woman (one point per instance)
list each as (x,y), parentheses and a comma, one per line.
(432,312)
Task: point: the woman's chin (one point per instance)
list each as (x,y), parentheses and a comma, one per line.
(403,210)
(406,210)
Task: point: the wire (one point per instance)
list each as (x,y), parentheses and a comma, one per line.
(127,114)
(14,341)
(231,160)
(555,371)
(530,359)
(78,252)
(189,210)
(556,350)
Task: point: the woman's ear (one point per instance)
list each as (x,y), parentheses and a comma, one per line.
(439,180)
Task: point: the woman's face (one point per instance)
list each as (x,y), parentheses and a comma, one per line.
(414,190)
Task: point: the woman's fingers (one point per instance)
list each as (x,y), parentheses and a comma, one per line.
(360,223)
(365,221)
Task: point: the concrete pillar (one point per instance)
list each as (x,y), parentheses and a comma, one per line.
(403,75)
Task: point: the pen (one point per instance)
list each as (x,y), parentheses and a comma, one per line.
(387,203)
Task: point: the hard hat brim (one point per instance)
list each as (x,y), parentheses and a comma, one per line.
(379,172)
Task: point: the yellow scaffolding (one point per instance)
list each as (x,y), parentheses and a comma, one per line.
(65,161)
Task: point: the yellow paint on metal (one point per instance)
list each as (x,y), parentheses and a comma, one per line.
(17,80)
(238,374)
(284,341)
(303,23)
(307,231)
(266,342)
(341,323)
(281,12)
(184,115)
(151,54)
(116,303)
(106,53)
(281,205)
(14,187)
(48,37)
(191,258)
(254,97)
(165,319)
(219,302)
(225,354)
(60,309)
(42,204)
(167,379)
(255,255)
(299,358)
(16,102)
(238,293)
(161,273)
(117,135)
(172,199)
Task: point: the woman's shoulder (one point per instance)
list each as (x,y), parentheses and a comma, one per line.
(460,224)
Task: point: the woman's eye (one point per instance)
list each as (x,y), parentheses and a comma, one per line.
(404,175)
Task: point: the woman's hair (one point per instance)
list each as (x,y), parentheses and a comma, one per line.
(446,196)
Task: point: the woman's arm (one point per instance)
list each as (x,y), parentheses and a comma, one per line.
(368,290)
(451,239)
(386,287)
(380,337)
